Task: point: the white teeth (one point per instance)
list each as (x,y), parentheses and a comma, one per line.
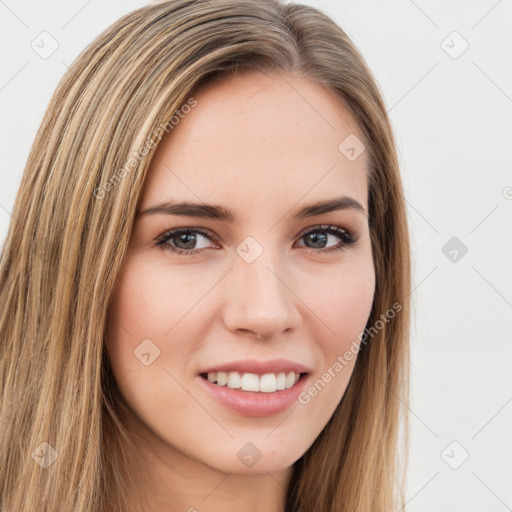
(222,378)
(267,383)
(234,380)
(281,381)
(250,382)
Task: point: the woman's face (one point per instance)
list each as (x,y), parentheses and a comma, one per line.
(266,296)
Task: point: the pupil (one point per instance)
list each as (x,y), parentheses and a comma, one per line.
(315,238)
(183,237)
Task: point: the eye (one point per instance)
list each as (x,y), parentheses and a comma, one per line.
(318,237)
(183,240)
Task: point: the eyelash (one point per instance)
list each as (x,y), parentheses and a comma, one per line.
(347,236)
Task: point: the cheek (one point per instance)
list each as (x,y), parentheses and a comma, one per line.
(136,313)
(147,303)
(343,304)
(152,302)
(150,299)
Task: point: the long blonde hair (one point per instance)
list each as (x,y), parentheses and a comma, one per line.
(72,222)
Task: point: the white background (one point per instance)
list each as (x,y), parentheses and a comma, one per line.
(452,122)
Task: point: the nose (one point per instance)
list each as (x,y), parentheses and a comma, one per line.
(260,300)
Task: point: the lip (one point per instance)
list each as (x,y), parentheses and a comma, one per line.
(251,403)
(259,367)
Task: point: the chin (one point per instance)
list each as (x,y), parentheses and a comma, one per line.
(247,459)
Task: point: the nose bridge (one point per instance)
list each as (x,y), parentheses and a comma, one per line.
(259,297)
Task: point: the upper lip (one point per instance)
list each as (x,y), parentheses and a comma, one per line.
(259,367)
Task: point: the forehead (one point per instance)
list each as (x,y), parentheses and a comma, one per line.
(259,139)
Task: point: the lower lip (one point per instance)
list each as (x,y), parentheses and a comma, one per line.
(250,403)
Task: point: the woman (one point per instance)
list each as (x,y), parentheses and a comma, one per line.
(205,283)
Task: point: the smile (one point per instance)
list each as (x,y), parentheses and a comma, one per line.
(266,383)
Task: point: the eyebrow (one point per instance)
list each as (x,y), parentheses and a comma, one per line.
(217,212)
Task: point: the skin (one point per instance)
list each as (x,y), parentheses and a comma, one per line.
(263,146)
